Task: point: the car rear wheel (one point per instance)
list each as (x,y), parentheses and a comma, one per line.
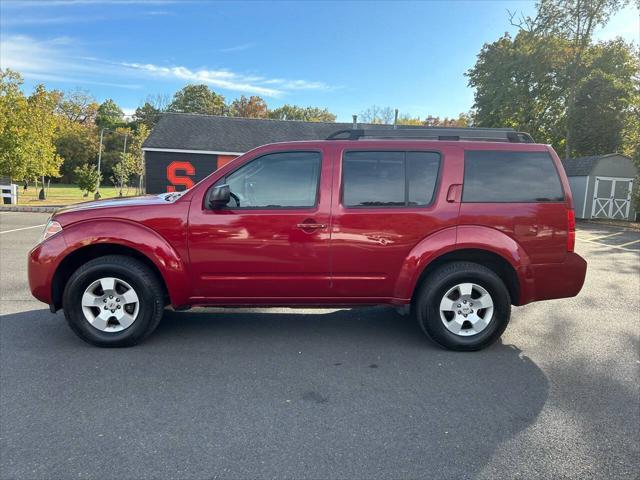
(463,306)
(113,301)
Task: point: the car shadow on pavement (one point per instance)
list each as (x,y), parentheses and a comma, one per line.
(347,394)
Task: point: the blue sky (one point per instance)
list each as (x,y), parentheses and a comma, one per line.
(344,56)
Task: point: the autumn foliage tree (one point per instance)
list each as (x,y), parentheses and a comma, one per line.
(42,158)
(251,107)
(306,114)
(13,126)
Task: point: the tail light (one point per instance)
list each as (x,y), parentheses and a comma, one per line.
(571,230)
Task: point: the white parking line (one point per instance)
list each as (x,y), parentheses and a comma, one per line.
(606,236)
(629,243)
(23,228)
(604,245)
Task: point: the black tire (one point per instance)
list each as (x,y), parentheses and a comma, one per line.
(138,276)
(438,283)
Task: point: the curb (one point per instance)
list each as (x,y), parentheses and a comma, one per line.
(25,208)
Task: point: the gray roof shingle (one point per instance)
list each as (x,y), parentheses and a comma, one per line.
(582,166)
(187,131)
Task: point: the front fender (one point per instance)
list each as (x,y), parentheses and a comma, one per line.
(463,237)
(140,238)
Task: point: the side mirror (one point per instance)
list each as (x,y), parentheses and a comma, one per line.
(218,197)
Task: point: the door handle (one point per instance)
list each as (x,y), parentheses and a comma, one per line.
(311,226)
(453,193)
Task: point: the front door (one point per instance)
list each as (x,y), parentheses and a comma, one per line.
(271,243)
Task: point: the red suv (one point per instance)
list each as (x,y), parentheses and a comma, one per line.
(454,225)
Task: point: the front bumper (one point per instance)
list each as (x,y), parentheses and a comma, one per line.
(43,261)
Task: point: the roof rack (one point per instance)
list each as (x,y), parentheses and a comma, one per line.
(435,133)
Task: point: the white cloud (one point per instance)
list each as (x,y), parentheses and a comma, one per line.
(57,59)
(238,48)
(218,78)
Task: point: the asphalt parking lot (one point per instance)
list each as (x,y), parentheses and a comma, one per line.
(326,394)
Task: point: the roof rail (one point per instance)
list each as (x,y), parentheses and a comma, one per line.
(435,133)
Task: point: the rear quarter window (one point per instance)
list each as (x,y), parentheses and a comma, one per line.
(510,177)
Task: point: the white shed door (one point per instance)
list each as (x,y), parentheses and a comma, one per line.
(612,198)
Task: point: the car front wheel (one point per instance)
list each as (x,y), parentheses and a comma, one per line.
(113,301)
(463,306)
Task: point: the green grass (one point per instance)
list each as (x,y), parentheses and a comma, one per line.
(64,194)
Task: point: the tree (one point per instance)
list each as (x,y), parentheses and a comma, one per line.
(109,115)
(39,147)
(376,114)
(135,149)
(87,178)
(463,120)
(13,126)
(409,120)
(522,82)
(198,99)
(252,107)
(147,115)
(597,119)
(78,106)
(305,114)
(77,144)
(575,22)
(122,171)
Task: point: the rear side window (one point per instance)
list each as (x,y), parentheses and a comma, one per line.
(501,176)
(389,179)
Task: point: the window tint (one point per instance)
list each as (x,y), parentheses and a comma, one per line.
(384,179)
(491,176)
(422,172)
(373,178)
(288,179)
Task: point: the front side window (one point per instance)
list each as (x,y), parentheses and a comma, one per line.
(389,179)
(502,176)
(277,180)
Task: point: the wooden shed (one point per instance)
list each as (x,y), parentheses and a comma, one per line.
(602,186)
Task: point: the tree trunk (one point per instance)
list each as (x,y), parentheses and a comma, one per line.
(42,195)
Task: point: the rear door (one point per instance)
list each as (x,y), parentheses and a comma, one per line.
(388,201)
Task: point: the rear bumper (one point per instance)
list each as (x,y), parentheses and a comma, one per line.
(553,280)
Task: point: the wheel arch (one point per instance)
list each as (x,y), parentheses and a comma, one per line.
(480,244)
(78,257)
(498,264)
(88,240)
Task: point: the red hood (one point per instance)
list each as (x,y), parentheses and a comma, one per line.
(112,207)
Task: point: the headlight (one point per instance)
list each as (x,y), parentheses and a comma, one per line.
(51,229)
